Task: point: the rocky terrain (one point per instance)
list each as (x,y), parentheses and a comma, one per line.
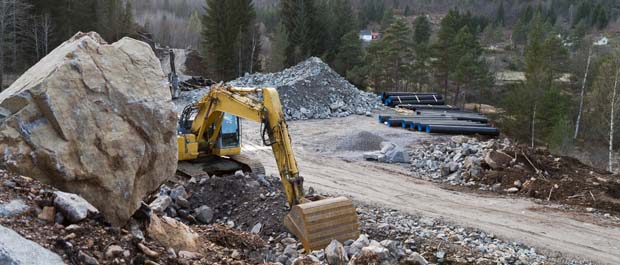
(312,90)
(500,166)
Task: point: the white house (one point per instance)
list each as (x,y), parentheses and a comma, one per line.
(366,35)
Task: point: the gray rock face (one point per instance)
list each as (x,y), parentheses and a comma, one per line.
(13,208)
(312,90)
(16,250)
(94,119)
(74,207)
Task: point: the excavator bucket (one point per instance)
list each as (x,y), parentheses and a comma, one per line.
(317,223)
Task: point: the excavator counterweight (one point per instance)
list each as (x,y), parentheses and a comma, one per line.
(215,131)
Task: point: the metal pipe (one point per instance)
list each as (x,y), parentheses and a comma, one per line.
(422,102)
(385,95)
(449,129)
(416,107)
(422,126)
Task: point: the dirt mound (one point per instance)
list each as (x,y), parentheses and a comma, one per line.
(244,201)
(362,141)
(312,90)
(541,175)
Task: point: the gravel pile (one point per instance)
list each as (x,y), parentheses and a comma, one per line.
(312,90)
(445,243)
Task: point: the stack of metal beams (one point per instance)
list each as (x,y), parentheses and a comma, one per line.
(433,116)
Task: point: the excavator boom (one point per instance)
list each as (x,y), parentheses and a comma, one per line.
(314,222)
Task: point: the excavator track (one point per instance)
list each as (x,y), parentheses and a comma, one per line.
(216,165)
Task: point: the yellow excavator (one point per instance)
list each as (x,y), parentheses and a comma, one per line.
(210,129)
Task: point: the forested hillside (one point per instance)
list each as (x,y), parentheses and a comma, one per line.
(536,61)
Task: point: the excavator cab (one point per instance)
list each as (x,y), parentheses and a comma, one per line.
(228,142)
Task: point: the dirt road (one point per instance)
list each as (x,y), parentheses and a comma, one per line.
(329,162)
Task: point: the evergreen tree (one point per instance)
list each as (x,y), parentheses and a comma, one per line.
(500,18)
(300,19)
(342,21)
(471,71)
(278,49)
(231,40)
(445,60)
(407,12)
(387,19)
(422,31)
(397,54)
(349,53)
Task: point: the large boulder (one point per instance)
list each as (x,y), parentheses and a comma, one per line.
(94,119)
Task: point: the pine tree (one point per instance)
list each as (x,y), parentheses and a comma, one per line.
(422,31)
(407,12)
(349,53)
(471,71)
(500,18)
(340,22)
(231,38)
(387,19)
(278,49)
(444,62)
(398,54)
(300,20)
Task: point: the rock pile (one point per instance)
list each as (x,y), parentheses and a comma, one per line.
(312,90)
(454,161)
(94,119)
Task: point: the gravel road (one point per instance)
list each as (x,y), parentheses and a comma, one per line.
(342,172)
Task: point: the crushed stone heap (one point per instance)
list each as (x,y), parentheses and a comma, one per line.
(94,119)
(312,90)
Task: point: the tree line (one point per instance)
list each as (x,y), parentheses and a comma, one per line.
(30,29)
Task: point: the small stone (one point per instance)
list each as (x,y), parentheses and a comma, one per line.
(147,251)
(235,254)
(178,191)
(74,207)
(73,228)
(291,251)
(288,241)
(512,190)
(256,228)
(204,214)
(160,203)
(335,254)
(518,184)
(239,174)
(182,202)
(13,208)
(416,258)
(189,255)
(48,214)
(113,251)
(87,259)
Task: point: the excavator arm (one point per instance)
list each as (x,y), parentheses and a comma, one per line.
(316,223)
(234,100)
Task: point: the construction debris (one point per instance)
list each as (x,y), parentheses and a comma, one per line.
(93,119)
(502,167)
(312,90)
